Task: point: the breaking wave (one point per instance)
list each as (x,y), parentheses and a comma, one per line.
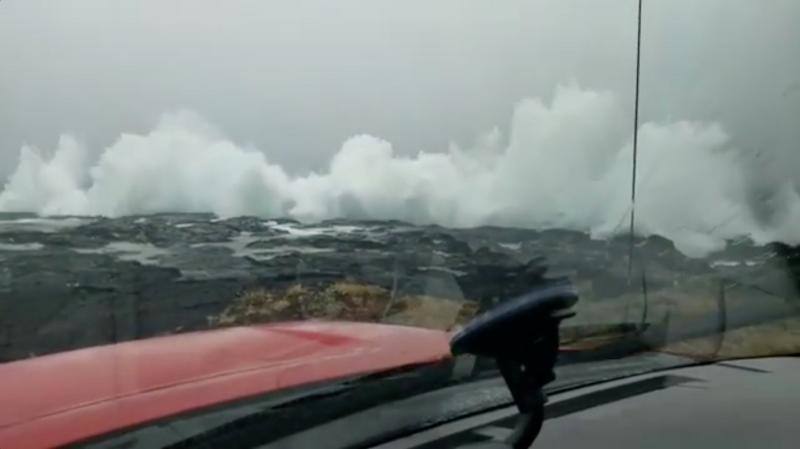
(563,164)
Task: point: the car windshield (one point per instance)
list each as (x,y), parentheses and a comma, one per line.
(172,168)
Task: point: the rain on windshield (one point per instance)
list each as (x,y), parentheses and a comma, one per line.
(410,163)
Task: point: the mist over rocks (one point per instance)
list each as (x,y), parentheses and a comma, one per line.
(564,163)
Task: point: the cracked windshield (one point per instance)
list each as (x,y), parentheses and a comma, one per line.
(238,186)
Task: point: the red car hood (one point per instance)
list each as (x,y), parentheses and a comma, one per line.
(67,397)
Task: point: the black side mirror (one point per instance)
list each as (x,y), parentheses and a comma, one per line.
(521,334)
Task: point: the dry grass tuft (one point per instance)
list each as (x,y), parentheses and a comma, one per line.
(780,337)
(346,301)
(353,301)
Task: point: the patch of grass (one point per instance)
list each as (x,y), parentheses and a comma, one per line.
(779,337)
(347,300)
(344,301)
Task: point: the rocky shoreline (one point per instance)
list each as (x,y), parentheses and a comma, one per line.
(71,282)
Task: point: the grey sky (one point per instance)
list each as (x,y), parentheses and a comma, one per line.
(296,78)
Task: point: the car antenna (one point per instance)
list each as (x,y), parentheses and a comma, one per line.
(635,141)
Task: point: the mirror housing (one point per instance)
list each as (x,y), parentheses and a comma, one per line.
(521,334)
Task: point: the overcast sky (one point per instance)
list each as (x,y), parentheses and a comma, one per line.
(296,78)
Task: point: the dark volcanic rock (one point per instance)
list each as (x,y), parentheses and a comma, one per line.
(70,283)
